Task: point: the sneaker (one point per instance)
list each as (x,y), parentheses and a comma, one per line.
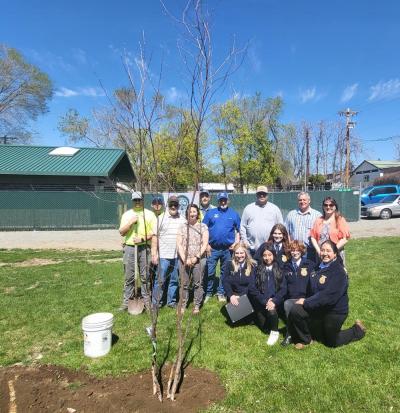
(361,328)
(171,305)
(208,298)
(196,310)
(273,338)
(286,341)
(221,298)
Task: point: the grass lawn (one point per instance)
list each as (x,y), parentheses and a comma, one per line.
(41,307)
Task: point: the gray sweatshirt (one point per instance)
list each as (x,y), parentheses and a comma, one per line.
(257,222)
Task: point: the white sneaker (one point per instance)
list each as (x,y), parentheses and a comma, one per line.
(221,298)
(208,298)
(273,338)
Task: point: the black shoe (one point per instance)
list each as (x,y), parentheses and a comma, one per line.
(286,341)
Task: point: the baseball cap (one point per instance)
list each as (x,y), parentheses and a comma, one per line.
(136,195)
(262,188)
(173,200)
(158,199)
(222,195)
(204,191)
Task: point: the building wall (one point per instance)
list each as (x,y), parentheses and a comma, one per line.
(365,175)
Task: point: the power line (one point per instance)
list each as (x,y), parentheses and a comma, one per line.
(388,138)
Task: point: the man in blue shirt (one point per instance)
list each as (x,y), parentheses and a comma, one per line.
(223,226)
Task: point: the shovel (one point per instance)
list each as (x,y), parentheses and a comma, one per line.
(135,303)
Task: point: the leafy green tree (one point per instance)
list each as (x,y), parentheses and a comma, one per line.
(24,94)
(244,140)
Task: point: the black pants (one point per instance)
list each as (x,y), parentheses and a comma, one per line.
(325,327)
(266,320)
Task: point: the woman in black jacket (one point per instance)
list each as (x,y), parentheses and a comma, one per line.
(295,282)
(280,240)
(268,278)
(239,274)
(328,305)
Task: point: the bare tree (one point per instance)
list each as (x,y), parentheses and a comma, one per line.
(205,78)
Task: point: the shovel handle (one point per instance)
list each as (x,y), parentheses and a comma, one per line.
(136,269)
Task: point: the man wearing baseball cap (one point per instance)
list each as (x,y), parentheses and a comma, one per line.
(258,218)
(164,253)
(157,205)
(205,200)
(136,228)
(223,225)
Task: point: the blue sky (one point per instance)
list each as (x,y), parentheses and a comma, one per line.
(321,57)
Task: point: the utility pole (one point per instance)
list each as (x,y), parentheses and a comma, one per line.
(349,125)
(307,157)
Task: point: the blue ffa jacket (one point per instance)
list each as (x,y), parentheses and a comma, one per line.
(296,281)
(329,290)
(237,282)
(280,258)
(222,224)
(266,283)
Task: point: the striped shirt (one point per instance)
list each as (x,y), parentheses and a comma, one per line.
(166,228)
(299,224)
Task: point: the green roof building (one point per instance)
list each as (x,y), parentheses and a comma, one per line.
(63,168)
(365,173)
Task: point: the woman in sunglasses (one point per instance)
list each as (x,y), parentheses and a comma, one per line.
(330,226)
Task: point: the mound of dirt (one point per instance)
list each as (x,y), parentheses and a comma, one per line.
(57,389)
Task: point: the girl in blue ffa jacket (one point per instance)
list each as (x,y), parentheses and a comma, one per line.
(328,305)
(268,278)
(238,277)
(295,282)
(280,239)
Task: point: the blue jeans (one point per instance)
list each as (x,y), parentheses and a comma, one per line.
(168,269)
(223,256)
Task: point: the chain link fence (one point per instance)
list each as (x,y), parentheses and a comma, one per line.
(51,210)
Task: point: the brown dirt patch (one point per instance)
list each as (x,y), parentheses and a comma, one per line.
(34,262)
(57,389)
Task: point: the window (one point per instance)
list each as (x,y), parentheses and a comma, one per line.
(383,190)
(366,178)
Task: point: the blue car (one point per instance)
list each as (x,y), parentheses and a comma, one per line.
(374,194)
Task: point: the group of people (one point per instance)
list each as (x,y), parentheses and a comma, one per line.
(292,269)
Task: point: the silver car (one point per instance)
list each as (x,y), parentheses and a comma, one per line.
(386,208)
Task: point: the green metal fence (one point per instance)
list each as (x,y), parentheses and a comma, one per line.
(40,210)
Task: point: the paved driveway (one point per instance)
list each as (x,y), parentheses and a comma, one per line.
(110,239)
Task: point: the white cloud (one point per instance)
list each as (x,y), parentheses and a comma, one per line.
(174,95)
(349,92)
(309,95)
(65,92)
(81,91)
(385,90)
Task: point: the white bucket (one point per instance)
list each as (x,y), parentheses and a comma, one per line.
(97,334)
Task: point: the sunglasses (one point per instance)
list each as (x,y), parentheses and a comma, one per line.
(173,206)
(262,194)
(329,205)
